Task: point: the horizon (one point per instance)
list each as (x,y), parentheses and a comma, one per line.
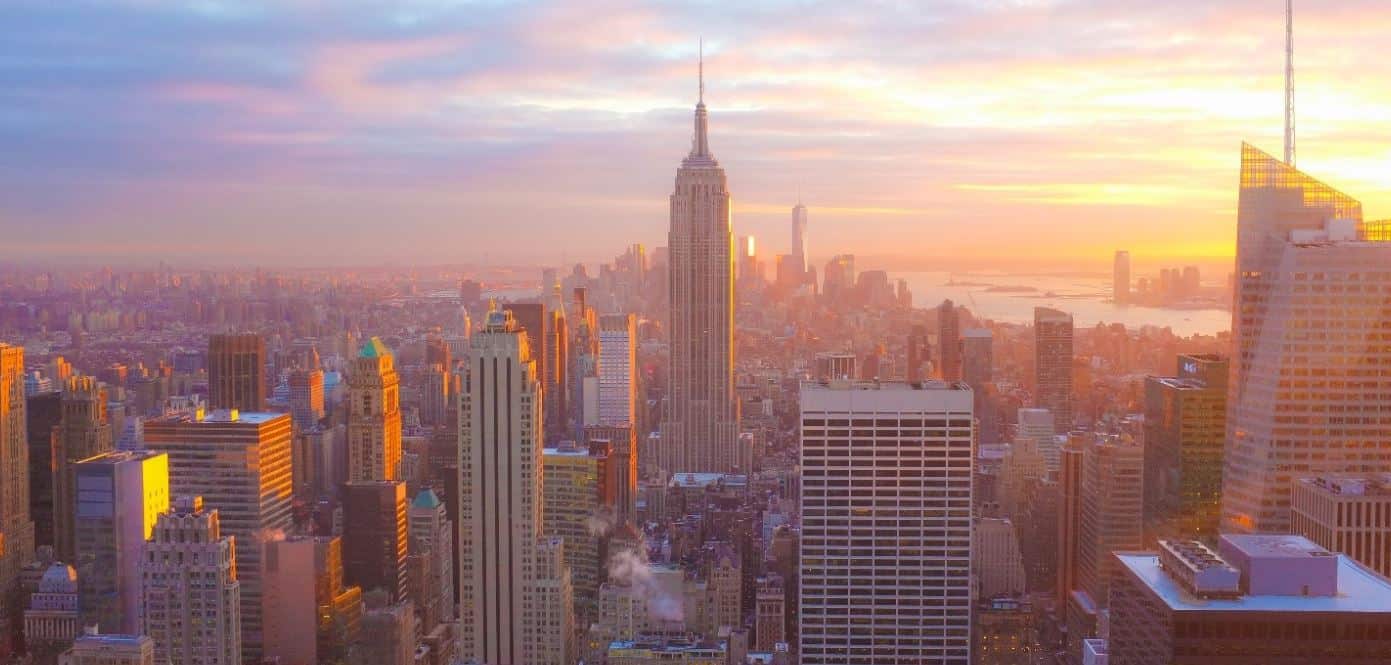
(431,133)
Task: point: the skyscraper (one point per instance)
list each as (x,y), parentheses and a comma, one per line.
(43,415)
(120,495)
(1111,520)
(1120,278)
(1185,422)
(917,352)
(310,616)
(948,341)
(192,600)
(1347,514)
(375,536)
(16,529)
(572,499)
(374,415)
(237,372)
(1053,365)
(505,564)
(1307,396)
(701,429)
(85,431)
(917,525)
(93,649)
(618,368)
(432,560)
(239,462)
(799,239)
(307,397)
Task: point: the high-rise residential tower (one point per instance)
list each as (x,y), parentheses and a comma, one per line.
(799,239)
(374,415)
(1053,365)
(617,370)
(911,523)
(1120,278)
(507,571)
(237,372)
(701,429)
(16,528)
(240,463)
(192,600)
(1309,394)
(948,341)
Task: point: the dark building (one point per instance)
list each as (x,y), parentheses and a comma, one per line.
(1185,431)
(375,536)
(948,341)
(43,415)
(237,372)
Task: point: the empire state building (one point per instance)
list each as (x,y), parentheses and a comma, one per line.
(700,431)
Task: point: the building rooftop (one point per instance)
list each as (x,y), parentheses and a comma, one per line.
(219,416)
(1359,590)
(427,499)
(1351,485)
(374,348)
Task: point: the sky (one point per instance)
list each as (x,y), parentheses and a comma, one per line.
(920,134)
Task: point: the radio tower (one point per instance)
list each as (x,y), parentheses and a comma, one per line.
(1289,82)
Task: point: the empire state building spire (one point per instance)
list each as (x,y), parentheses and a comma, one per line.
(700,144)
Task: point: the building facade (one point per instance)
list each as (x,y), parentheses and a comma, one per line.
(1347,514)
(1185,427)
(237,372)
(374,415)
(618,367)
(16,527)
(192,600)
(1053,365)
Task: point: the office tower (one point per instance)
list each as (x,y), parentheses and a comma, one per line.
(374,415)
(94,649)
(120,495)
(431,561)
(85,432)
(1070,473)
(1120,278)
(977,357)
(557,368)
(310,617)
(1185,426)
(1258,599)
(1111,521)
(1347,514)
(532,319)
(237,372)
(618,369)
(917,525)
(1027,461)
(388,633)
(723,587)
(375,536)
(573,498)
(240,464)
(918,351)
(770,613)
(505,563)
(43,413)
(838,280)
(16,527)
(52,620)
(747,267)
(306,398)
(701,429)
(191,595)
(1306,395)
(621,468)
(948,342)
(998,562)
(1053,365)
(434,396)
(799,239)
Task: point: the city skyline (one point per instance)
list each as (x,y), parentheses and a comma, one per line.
(443,119)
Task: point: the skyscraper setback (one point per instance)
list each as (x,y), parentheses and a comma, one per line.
(701,429)
(1308,391)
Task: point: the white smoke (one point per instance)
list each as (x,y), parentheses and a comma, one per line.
(631,568)
(601,522)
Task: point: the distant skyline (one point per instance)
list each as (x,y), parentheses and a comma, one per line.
(1031,134)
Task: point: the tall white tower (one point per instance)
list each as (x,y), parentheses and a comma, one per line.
(701,429)
(799,237)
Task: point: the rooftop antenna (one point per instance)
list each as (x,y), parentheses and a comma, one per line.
(1289,82)
(702,70)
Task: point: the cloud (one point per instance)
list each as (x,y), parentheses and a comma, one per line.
(286,132)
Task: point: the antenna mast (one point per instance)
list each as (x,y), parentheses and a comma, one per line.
(1289,82)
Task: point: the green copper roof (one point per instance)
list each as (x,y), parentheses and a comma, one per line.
(374,348)
(426,499)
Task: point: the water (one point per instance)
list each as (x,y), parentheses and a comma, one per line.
(1086,298)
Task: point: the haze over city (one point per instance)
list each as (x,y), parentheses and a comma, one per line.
(920,135)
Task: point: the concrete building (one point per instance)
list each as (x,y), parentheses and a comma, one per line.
(1346,514)
(434,395)
(1305,397)
(376,536)
(307,398)
(431,561)
(85,431)
(510,575)
(1053,365)
(16,527)
(388,633)
(305,597)
(977,357)
(113,649)
(120,495)
(700,430)
(917,524)
(620,476)
(374,415)
(1005,632)
(618,370)
(1185,426)
(53,620)
(43,416)
(573,498)
(1258,599)
(237,372)
(999,566)
(192,600)
(1111,520)
(240,463)
(770,612)
(948,342)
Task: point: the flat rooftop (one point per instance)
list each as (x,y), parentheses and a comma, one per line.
(1359,590)
(220,416)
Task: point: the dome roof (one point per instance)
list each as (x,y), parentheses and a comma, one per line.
(59,578)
